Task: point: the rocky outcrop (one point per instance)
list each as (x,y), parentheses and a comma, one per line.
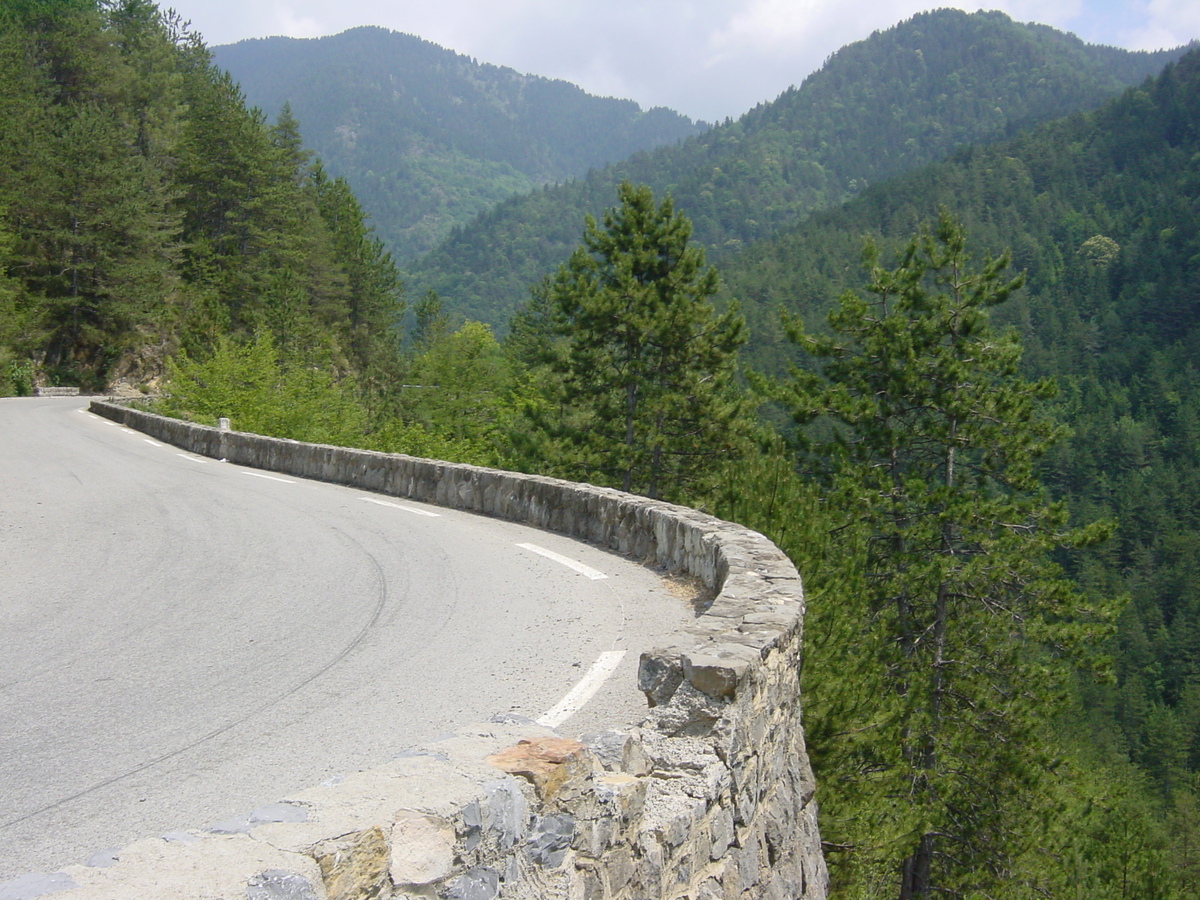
(712,797)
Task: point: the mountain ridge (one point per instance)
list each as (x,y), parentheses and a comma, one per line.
(429,137)
(899,99)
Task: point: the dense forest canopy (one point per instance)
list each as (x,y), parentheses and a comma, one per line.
(895,101)
(144,210)
(1101,213)
(429,138)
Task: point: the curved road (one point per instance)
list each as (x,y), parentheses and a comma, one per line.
(183,640)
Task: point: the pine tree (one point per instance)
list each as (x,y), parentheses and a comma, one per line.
(925,438)
(642,364)
(150,211)
(82,185)
(374,303)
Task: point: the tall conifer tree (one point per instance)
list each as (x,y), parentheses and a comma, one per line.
(927,443)
(643,363)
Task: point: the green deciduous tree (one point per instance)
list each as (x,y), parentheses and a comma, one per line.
(641,363)
(251,385)
(460,387)
(957,627)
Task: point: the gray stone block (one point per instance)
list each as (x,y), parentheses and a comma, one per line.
(608,747)
(508,811)
(277,884)
(719,670)
(35,884)
(477,884)
(279,812)
(271,812)
(104,858)
(722,833)
(660,673)
(550,838)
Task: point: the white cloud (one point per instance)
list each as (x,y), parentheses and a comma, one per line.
(775,25)
(706,58)
(298,25)
(1057,13)
(1170,23)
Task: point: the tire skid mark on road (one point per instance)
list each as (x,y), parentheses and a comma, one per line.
(376,613)
(569,705)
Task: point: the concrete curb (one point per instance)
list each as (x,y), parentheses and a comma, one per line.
(711,797)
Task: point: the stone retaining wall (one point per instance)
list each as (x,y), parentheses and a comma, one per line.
(712,797)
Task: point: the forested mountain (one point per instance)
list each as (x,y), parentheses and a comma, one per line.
(1088,205)
(428,137)
(1101,211)
(899,99)
(144,211)
(953,616)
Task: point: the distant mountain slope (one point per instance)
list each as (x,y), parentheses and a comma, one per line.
(895,101)
(427,137)
(1099,209)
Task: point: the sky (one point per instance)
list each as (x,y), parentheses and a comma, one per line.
(709,59)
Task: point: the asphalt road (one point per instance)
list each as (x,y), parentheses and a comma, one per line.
(182,640)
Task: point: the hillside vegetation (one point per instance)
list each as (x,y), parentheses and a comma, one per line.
(1100,212)
(967,403)
(897,100)
(144,211)
(430,138)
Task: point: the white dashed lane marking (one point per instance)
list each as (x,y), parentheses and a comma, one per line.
(407,509)
(579,567)
(269,477)
(194,459)
(584,691)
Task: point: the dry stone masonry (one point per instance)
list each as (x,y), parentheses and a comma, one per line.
(711,797)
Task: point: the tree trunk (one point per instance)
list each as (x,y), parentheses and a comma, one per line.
(630,420)
(914,873)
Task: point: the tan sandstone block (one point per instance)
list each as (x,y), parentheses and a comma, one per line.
(422,849)
(550,763)
(355,866)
